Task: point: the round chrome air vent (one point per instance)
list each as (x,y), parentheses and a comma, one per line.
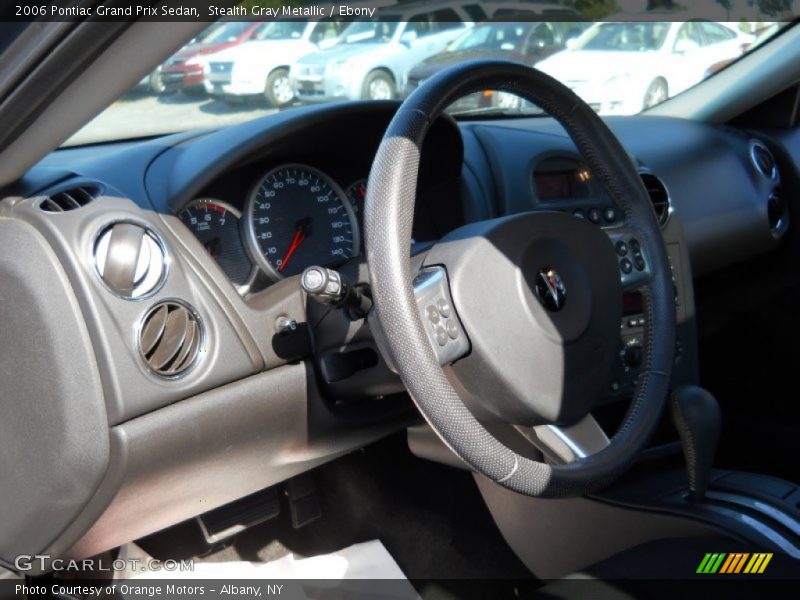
(777,213)
(130,260)
(659,197)
(763,160)
(170,338)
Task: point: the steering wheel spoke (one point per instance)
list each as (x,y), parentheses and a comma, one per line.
(444,329)
(567,444)
(632,256)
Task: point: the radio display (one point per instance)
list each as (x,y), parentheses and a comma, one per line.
(561,178)
(632,304)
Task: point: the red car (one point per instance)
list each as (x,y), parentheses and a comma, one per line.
(185,71)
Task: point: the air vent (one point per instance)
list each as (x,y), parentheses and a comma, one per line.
(170,338)
(763,160)
(777,213)
(130,260)
(71,198)
(659,197)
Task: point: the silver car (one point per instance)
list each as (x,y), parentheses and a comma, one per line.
(374,56)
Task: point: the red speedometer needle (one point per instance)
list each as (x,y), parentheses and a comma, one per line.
(303,229)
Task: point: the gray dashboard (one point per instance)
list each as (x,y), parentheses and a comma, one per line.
(258,407)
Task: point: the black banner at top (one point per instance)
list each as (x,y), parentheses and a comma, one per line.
(390,10)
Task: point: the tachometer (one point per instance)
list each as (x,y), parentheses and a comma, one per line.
(216,225)
(297,217)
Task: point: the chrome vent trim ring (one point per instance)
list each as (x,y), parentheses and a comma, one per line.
(763,160)
(170,339)
(659,196)
(71,198)
(130,259)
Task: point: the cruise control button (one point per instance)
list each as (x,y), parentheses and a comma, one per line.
(625,266)
(609,214)
(444,307)
(452,330)
(638,262)
(433,313)
(594,215)
(635,247)
(622,248)
(441,336)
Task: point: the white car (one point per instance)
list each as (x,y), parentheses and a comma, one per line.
(622,68)
(374,56)
(260,66)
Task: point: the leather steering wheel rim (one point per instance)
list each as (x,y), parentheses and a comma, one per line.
(389,211)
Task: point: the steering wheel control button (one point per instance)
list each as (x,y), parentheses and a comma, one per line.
(610,215)
(639,263)
(594,215)
(635,247)
(433,314)
(444,307)
(579,214)
(131,260)
(432,292)
(452,330)
(622,248)
(626,266)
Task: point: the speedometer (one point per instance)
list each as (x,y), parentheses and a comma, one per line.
(297,217)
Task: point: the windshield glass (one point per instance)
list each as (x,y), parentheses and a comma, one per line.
(280,30)
(624,37)
(617,67)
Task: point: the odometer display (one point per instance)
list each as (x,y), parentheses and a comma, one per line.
(298,217)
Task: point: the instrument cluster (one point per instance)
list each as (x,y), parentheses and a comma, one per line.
(294,216)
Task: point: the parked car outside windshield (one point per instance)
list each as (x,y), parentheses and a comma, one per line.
(618,67)
(624,68)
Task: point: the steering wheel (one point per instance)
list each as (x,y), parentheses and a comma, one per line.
(516,320)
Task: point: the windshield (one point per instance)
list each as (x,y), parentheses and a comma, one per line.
(371,32)
(280,30)
(390,55)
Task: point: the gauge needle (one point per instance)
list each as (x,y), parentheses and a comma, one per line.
(302,232)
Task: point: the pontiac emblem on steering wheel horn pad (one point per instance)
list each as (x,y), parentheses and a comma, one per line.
(550,289)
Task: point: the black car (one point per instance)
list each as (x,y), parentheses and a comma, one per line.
(525,42)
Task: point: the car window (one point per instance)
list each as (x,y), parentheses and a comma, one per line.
(371,31)
(222,33)
(445,20)
(624,37)
(326,30)
(689,32)
(715,33)
(541,37)
(281,30)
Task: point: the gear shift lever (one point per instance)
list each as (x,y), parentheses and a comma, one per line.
(696,416)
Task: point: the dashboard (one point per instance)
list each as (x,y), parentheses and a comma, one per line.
(271,382)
